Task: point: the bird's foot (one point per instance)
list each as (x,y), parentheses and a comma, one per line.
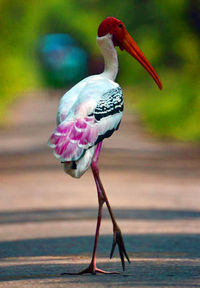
(118,240)
(91,269)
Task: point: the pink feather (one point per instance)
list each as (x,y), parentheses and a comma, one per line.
(70,139)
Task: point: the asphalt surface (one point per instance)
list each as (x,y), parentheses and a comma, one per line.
(47,219)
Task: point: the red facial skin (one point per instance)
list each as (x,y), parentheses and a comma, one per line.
(113,26)
(123,40)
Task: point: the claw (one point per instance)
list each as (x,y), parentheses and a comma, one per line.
(92,269)
(118,240)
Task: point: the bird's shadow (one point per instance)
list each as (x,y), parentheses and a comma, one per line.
(145,274)
(153,253)
(86,213)
(138,245)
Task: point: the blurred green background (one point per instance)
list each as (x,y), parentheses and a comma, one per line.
(166,31)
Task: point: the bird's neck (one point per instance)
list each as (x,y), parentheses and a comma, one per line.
(110,56)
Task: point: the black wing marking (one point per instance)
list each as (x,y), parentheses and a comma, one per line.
(110,104)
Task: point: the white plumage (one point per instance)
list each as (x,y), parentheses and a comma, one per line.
(92,110)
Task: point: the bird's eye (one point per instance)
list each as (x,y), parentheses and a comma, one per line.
(120,25)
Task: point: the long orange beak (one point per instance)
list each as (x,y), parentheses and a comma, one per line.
(132,48)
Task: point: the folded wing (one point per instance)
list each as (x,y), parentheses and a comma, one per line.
(72,138)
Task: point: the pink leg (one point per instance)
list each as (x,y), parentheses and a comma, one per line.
(117,235)
(92,267)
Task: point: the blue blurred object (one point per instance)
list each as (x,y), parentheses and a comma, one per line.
(63,61)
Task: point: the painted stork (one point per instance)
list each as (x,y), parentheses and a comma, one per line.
(91,111)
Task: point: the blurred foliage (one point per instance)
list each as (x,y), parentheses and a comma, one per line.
(167,32)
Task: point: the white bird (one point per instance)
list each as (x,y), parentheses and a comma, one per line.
(91,111)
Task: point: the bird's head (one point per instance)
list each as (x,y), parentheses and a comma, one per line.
(124,41)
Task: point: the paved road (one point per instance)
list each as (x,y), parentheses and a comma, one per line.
(47,219)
